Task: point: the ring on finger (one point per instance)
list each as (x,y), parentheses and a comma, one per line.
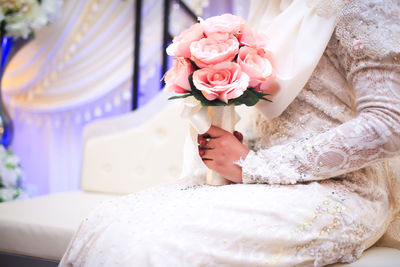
(208,146)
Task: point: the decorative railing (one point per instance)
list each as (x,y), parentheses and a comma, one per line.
(167,38)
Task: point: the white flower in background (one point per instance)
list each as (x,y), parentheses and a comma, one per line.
(11,160)
(36,17)
(8,194)
(51,8)
(3,153)
(10,176)
(17,26)
(10,172)
(22,17)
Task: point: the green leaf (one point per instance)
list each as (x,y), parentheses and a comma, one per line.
(31,35)
(16,195)
(179,96)
(235,58)
(1,199)
(10,166)
(261,95)
(266,99)
(193,64)
(250,97)
(10,12)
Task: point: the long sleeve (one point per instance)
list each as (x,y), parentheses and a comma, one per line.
(373,135)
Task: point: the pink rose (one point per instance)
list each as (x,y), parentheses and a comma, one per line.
(177,78)
(180,46)
(223,81)
(226,23)
(214,49)
(249,37)
(255,63)
(270,87)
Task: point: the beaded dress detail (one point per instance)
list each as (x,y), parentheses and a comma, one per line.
(318,186)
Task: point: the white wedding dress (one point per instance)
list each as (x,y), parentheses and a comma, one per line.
(317,189)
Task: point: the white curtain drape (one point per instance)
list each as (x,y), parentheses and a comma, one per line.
(74,71)
(79,69)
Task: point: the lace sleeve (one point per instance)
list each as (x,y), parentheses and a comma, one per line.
(372,136)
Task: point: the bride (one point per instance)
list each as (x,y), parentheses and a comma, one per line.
(312,185)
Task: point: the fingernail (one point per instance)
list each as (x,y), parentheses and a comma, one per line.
(238,135)
(201,153)
(203,142)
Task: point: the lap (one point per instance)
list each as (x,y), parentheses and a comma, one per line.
(234,225)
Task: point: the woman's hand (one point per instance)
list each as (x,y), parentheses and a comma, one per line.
(219,150)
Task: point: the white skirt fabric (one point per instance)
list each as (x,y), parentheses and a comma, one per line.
(310,224)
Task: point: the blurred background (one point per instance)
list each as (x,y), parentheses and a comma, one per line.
(94,59)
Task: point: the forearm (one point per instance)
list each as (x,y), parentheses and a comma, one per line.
(372,136)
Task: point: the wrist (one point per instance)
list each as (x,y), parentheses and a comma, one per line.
(238,164)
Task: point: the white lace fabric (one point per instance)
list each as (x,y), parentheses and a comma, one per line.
(370,28)
(372,136)
(336,149)
(345,123)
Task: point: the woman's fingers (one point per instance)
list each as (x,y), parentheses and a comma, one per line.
(208,158)
(201,137)
(205,143)
(209,163)
(202,142)
(214,132)
(206,151)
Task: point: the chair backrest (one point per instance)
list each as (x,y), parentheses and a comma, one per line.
(135,151)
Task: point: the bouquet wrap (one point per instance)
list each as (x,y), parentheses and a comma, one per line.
(225,118)
(201,118)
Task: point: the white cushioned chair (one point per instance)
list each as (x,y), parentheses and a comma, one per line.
(118,158)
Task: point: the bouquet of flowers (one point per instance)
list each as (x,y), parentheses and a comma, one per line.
(19,18)
(10,176)
(219,63)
